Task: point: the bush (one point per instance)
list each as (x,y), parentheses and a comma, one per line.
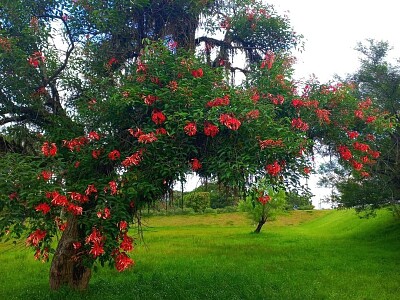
(198,201)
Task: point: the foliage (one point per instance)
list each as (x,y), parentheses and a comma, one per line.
(199,201)
(379,81)
(298,201)
(107,125)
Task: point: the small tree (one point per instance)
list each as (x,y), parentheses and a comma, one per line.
(199,201)
(264,202)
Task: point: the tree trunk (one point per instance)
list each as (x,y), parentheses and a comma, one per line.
(66,267)
(260,225)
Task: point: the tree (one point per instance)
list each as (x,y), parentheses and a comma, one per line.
(97,129)
(378,80)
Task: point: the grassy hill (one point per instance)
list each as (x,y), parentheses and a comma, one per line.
(302,255)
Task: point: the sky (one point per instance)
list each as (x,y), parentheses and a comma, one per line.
(331,31)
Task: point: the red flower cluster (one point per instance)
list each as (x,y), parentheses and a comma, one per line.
(105,214)
(49,149)
(198,73)
(268,60)
(190,129)
(255,97)
(96,239)
(91,189)
(46,175)
(253,114)
(93,135)
(114,155)
(149,99)
(78,197)
(361,147)
(36,58)
(352,135)
(134,159)
(273,169)
(276,100)
(43,207)
(224,101)
(147,138)
(270,143)
(344,152)
(300,124)
(127,243)
(264,199)
(196,164)
(210,129)
(122,262)
(113,187)
(297,103)
(75,144)
(96,153)
(158,117)
(323,115)
(35,237)
(229,121)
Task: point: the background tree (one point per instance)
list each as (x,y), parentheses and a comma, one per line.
(378,80)
(108,121)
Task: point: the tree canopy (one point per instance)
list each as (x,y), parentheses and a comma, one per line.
(105,104)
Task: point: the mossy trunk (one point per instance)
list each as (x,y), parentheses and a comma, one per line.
(66,267)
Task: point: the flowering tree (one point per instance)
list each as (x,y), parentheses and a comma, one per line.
(108,123)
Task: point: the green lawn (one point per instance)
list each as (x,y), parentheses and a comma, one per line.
(304,255)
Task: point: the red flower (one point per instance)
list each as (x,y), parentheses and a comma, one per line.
(122,262)
(113,187)
(323,115)
(158,117)
(147,138)
(273,169)
(365,174)
(278,100)
(264,199)
(219,102)
(198,73)
(370,119)
(97,249)
(356,165)
(300,124)
(253,114)
(76,245)
(297,103)
(75,209)
(93,135)
(359,114)
(268,60)
(78,197)
(374,154)
(36,58)
(114,155)
(270,143)
(150,99)
(123,225)
(307,170)
(196,164)
(49,149)
(126,243)
(361,147)
(91,189)
(112,61)
(58,199)
(135,132)
(94,237)
(43,207)
(161,131)
(210,129)
(365,104)
(35,237)
(46,175)
(134,159)
(190,129)
(96,153)
(344,152)
(255,97)
(229,121)
(352,134)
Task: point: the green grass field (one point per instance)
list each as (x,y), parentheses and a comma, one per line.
(303,255)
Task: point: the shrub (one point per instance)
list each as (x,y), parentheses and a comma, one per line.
(198,201)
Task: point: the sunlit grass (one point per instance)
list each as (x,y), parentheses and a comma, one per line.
(303,255)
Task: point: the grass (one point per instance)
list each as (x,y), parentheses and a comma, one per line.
(303,255)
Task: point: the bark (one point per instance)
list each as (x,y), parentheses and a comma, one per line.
(66,267)
(260,225)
